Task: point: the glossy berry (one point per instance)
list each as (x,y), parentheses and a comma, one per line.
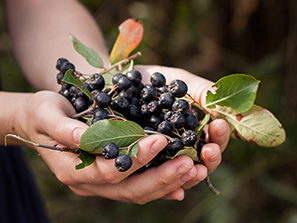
(189,138)
(96,119)
(126,94)
(67,66)
(60,62)
(133,113)
(74,91)
(102,100)
(167,115)
(158,79)
(134,76)
(110,150)
(116,77)
(60,77)
(120,104)
(165,128)
(175,146)
(148,94)
(154,108)
(80,104)
(154,121)
(191,121)
(100,112)
(181,106)
(178,120)
(96,81)
(123,162)
(178,88)
(124,83)
(166,101)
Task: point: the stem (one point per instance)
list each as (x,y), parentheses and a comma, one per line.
(62,149)
(202,108)
(134,143)
(124,61)
(84,112)
(210,186)
(154,132)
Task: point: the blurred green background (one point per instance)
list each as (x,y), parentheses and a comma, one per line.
(211,39)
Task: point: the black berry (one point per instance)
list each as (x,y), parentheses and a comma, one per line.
(110,150)
(189,138)
(134,76)
(178,88)
(158,79)
(96,81)
(123,162)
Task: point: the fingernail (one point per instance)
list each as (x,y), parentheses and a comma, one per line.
(215,157)
(188,176)
(157,146)
(183,169)
(221,128)
(77,133)
(208,152)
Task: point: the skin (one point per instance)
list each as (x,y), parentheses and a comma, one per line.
(30,23)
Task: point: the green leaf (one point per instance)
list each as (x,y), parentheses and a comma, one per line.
(133,151)
(202,125)
(187,151)
(86,158)
(237,91)
(123,133)
(70,79)
(257,125)
(89,54)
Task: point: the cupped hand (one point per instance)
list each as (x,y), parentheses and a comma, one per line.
(45,120)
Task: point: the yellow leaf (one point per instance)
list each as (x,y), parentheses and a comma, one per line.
(131,32)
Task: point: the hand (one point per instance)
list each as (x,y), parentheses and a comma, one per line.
(45,120)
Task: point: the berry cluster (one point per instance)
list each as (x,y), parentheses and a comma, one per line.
(157,107)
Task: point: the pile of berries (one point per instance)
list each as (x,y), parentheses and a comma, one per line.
(156,107)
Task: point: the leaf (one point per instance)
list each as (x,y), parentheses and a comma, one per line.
(89,54)
(237,91)
(86,158)
(188,151)
(257,125)
(202,125)
(123,133)
(131,32)
(133,151)
(70,79)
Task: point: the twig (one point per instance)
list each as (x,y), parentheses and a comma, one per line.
(124,61)
(210,186)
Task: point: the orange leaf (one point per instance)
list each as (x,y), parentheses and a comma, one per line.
(130,36)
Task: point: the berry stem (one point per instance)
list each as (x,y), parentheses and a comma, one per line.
(155,133)
(134,143)
(201,107)
(84,112)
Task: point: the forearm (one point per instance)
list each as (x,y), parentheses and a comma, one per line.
(40,31)
(11,109)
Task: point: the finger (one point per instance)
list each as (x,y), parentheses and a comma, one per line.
(164,179)
(52,118)
(211,155)
(219,133)
(201,175)
(178,194)
(154,183)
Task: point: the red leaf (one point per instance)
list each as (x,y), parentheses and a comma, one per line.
(131,32)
